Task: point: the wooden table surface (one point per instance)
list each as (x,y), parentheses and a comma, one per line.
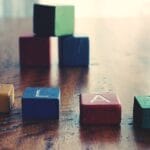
(119,62)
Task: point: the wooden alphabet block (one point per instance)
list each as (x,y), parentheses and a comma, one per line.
(40,104)
(100,109)
(6,97)
(141,112)
(73,51)
(34,51)
(53,20)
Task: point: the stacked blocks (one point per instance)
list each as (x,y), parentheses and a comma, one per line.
(100,109)
(141,112)
(73,51)
(53,20)
(34,51)
(40,104)
(6,97)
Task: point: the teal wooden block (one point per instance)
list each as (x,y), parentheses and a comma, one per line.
(141,112)
(53,20)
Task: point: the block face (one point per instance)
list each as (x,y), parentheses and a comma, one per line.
(64,20)
(6,97)
(137,113)
(97,109)
(146,118)
(40,103)
(38,93)
(34,51)
(53,20)
(144,101)
(43,20)
(141,112)
(73,51)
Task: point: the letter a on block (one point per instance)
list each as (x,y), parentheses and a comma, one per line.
(40,95)
(100,99)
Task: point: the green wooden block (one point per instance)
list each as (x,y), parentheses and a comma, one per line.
(64,20)
(141,111)
(53,20)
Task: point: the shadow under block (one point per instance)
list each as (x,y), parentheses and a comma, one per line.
(141,112)
(100,109)
(6,97)
(53,20)
(40,104)
(34,51)
(73,51)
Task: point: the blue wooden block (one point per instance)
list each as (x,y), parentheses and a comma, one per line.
(73,51)
(40,103)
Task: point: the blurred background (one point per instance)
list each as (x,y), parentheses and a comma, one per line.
(119,32)
(92,8)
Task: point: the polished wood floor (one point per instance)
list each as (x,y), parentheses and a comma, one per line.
(119,62)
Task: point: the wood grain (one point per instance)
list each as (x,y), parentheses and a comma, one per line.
(119,62)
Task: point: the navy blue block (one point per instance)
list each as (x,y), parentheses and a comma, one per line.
(40,103)
(73,51)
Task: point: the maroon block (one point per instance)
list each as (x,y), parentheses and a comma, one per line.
(34,51)
(100,109)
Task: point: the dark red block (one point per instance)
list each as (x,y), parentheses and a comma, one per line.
(34,51)
(100,109)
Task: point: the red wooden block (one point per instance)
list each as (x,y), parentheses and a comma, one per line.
(99,109)
(34,51)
